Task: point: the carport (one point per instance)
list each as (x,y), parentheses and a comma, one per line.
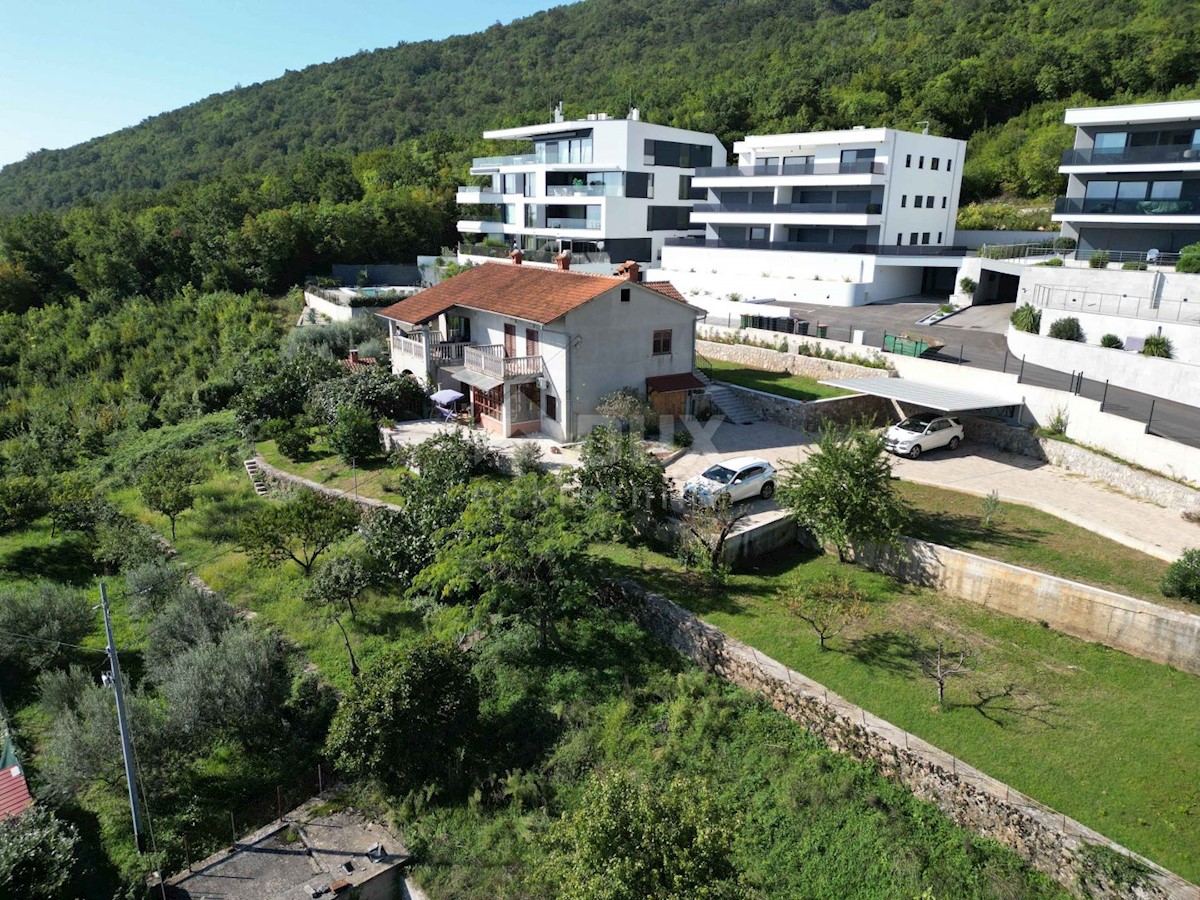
(936,397)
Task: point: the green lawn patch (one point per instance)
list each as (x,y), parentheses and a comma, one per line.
(323,466)
(1036,540)
(1101,736)
(794,387)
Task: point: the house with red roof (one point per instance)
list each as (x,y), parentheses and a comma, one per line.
(534,349)
(14,792)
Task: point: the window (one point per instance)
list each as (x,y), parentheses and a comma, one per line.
(687,192)
(857,161)
(672,153)
(912,238)
(948,162)
(797,165)
(921,163)
(668,218)
(935,163)
(531,342)
(943,203)
(662,342)
(758,233)
(625,295)
(939,237)
(551,407)
(510,341)
(925,237)
(488,403)
(1110,142)
(903,200)
(929,201)
(899,240)
(908,161)
(917,201)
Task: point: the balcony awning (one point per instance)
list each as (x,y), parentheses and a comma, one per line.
(667,384)
(473,378)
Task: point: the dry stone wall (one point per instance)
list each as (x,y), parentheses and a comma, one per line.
(812,415)
(793,363)
(1047,840)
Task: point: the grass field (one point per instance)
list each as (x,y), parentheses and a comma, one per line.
(781,383)
(1036,540)
(1101,736)
(324,467)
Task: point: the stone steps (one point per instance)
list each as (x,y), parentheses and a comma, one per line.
(261,488)
(735,409)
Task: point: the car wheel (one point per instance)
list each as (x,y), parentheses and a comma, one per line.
(768,490)
(954,442)
(915,451)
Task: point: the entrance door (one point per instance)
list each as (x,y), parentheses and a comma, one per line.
(510,341)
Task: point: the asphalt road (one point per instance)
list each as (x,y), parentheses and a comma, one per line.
(975,337)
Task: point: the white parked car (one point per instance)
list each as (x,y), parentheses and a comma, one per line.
(742,478)
(927,431)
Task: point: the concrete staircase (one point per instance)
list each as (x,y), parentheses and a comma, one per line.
(256,477)
(730,404)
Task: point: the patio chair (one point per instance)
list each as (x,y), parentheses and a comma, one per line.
(448,414)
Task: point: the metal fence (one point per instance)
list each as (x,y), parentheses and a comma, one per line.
(1108,303)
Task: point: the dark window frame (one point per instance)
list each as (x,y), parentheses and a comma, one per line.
(661,343)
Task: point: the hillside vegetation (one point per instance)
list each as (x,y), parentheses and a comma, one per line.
(997,72)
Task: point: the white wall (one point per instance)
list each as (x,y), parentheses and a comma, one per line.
(909,180)
(1185,339)
(1166,378)
(1163,285)
(976,238)
(715,277)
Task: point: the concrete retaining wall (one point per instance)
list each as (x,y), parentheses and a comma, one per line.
(1135,482)
(335,311)
(1136,627)
(1047,840)
(759,540)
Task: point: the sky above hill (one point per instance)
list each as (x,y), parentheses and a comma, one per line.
(76,69)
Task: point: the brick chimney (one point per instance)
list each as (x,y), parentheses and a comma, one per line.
(564,260)
(517,256)
(353,356)
(630,270)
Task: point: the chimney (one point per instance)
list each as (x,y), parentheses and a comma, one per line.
(517,256)
(635,114)
(630,270)
(353,356)
(564,260)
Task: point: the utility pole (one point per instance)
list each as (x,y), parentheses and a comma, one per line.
(114,679)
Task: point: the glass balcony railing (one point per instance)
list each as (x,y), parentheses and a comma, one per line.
(585,190)
(860,167)
(494,162)
(1180,153)
(1075,206)
(805,247)
(802,208)
(564,222)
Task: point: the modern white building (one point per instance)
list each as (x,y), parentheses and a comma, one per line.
(869,211)
(606,189)
(534,349)
(1133,177)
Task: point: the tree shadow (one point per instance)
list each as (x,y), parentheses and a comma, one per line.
(67,559)
(1011,705)
(388,621)
(216,520)
(960,530)
(890,651)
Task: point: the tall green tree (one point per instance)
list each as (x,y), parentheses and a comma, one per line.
(623,487)
(301,529)
(37,854)
(843,491)
(167,484)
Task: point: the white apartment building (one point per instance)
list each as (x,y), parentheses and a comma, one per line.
(606,189)
(1133,177)
(869,211)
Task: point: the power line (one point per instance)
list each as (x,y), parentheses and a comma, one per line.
(37,640)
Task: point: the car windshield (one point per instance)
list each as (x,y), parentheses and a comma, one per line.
(720,474)
(915,423)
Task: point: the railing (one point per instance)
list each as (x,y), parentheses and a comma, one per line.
(566,222)
(444,352)
(1042,250)
(474,194)
(758,171)
(492,162)
(795,246)
(1113,304)
(585,190)
(1131,156)
(408,347)
(538,256)
(1068,206)
(803,208)
(489,359)
(489,217)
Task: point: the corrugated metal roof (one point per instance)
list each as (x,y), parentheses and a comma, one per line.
(919,393)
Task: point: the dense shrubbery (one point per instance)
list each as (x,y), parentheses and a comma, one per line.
(1158,345)
(1183,577)
(1066,329)
(1112,342)
(1189,259)
(1027,318)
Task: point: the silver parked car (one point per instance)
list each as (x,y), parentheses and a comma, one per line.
(742,478)
(927,431)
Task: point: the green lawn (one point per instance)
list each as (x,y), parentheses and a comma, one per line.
(782,384)
(1101,736)
(326,468)
(1036,540)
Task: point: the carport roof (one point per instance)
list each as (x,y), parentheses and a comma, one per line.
(919,393)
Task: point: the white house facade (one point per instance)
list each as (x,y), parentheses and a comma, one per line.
(534,349)
(871,208)
(1133,177)
(605,189)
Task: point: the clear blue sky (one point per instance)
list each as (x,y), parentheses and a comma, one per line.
(74,69)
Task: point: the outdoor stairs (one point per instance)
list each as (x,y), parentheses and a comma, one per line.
(256,476)
(729,403)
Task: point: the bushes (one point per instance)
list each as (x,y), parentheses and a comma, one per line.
(968,285)
(1066,329)
(682,438)
(1189,259)
(1133,265)
(1052,263)
(1183,577)
(355,435)
(1112,342)
(1158,345)
(294,442)
(1027,318)
(1099,260)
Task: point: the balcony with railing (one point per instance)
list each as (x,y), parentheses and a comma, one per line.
(798,208)
(472,194)
(495,162)
(859,167)
(1120,206)
(489,359)
(534,256)
(1132,156)
(806,247)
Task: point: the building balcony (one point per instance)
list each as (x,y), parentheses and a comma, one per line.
(410,351)
(806,247)
(585,190)
(1132,156)
(1116,208)
(775,171)
(533,256)
(480,226)
(483,165)
(468,195)
(489,360)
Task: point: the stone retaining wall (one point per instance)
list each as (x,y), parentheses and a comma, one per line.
(1137,627)
(1135,482)
(1047,840)
(793,363)
(810,416)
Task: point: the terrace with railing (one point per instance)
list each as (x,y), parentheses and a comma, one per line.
(802,208)
(1184,153)
(858,167)
(534,256)
(1113,304)
(805,247)
(490,360)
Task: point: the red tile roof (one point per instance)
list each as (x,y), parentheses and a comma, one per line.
(668,384)
(666,289)
(14,792)
(523,292)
